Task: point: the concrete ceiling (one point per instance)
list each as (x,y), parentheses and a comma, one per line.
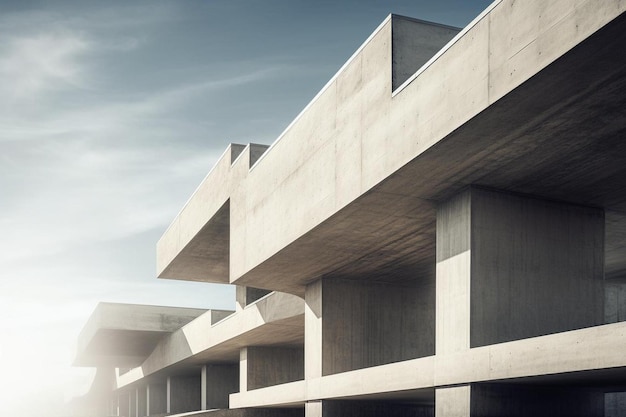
(560,135)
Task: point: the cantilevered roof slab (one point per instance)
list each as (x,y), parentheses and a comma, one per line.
(528,98)
(123,335)
(274,320)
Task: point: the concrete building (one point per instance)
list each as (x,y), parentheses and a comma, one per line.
(440,232)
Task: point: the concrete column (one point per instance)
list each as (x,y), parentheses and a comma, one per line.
(156,394)
(141,396)
(453,401)
(218,381)
(263,366)
(183,394)
(511,267)
(354,324)
(132,403)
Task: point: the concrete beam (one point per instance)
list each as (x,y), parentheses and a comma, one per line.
(123,335)
(348,163)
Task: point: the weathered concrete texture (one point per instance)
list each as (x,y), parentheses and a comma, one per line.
(277,318)
(536,266)
(263,366)
(205,256)
(368,324)
(141,401)
(157,398)
(218,382)
(413,43)
(453,401)
(183,394)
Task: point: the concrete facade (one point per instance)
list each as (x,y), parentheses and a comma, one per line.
(441,232)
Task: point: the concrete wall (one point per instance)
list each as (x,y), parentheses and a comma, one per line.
(183,394)
(156,398)
(527,267)
(141,396)
(413,43)
(218,382)
(264,366)
(367,324)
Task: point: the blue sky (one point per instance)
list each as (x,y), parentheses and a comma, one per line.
(111,113)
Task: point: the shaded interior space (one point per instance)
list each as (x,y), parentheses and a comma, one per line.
(248,295)
(406,405)
(264,366)
(369,323)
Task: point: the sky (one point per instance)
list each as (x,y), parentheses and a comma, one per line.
(111,114)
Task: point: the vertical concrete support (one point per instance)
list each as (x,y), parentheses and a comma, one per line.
(218,381)
(313,333)
(156,398)
(511,267)
(263,366)
(141,395)
(313,409)
(615,404)
(453,401)
(123,404)
(354,324)
(183,394)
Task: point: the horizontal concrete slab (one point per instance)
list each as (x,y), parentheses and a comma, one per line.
(123,335)
(528,105)
(589,355)
(276,319)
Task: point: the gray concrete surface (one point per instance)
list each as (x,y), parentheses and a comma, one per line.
(458,239)
(123,335)
(351,158)
(263,366)
(218,381)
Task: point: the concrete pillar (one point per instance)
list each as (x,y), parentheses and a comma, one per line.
(156,398)
(263,366)
(453,401)
(141,402)
(511,267)
(183,394)
(354,324)
(132,405)
(218,381)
